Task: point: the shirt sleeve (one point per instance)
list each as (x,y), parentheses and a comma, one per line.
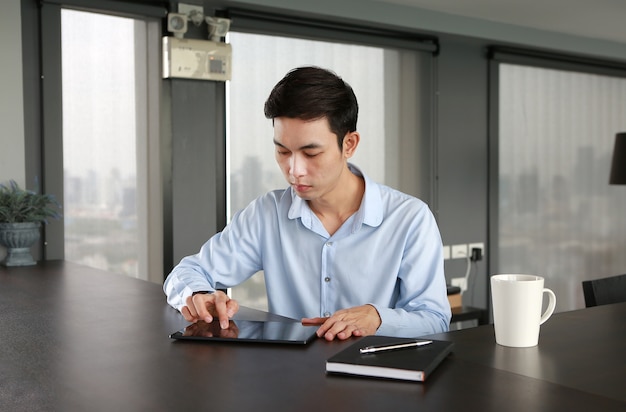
(422,307)
(225,260)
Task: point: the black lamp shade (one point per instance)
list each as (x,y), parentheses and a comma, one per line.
(618,166)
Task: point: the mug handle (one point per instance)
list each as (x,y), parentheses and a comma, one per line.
(551,305)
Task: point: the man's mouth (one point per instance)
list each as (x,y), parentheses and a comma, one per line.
(300,187)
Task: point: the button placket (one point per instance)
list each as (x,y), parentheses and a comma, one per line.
(327,293)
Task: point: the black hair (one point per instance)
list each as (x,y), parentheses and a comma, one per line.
(312,93)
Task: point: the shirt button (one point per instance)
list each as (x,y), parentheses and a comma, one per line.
(326,279)
(329,244)
(326,314)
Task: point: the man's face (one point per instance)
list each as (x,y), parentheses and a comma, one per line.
(308,155)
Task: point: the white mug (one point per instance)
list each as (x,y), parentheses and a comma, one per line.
(517,302)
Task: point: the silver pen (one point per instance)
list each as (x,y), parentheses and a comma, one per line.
(380,348)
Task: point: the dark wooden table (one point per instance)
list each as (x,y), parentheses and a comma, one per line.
(80,339)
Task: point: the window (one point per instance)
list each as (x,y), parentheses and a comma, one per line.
(108,135)
(558,216)
(392,121)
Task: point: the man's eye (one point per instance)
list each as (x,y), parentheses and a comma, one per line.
(311,154)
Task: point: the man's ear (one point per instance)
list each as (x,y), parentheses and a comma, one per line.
(350,143)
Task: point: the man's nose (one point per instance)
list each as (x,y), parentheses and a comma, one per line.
(296,165)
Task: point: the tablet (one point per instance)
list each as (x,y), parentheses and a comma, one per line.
(249,331)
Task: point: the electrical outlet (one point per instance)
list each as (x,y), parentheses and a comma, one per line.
(480,246)
(459,251)
(446,252)
(460,282)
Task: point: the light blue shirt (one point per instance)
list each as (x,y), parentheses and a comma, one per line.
(388,254)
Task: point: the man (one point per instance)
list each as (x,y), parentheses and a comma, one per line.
(336,248)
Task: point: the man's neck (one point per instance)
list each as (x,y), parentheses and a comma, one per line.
(335,208)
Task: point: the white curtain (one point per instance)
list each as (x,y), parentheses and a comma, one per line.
(558,216)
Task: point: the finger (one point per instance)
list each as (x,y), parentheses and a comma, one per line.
(324,330)
(221,309)
(330,325)
(359,332)
(232,307)
(191,307)
(347,332)
(338,328)
(332,332)
(200,303)
(187,314)
(328,335)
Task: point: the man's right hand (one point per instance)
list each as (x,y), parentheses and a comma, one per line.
(207,306)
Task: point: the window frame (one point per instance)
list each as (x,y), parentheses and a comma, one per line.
(41,28)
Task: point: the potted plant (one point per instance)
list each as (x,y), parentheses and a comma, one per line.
(21,214)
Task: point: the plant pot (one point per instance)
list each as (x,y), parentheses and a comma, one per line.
(18,238)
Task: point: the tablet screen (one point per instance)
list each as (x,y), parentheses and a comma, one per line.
(249,331)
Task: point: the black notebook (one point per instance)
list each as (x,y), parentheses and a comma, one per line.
(413,363)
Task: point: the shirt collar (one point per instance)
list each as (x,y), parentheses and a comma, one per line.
(370,212)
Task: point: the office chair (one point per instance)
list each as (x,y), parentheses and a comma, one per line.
(604,291)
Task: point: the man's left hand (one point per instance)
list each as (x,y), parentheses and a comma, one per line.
(357,321)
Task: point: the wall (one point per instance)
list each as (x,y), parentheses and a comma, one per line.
(12,162)
(12,158)
(462,156)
